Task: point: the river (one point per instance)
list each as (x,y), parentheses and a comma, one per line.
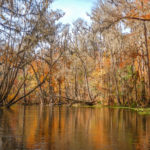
(73,128)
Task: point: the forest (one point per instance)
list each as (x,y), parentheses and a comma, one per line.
(106,61)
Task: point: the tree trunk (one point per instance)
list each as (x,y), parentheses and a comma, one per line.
(147,56)
(86,78)
(59,83)
(24,86)
(115,77)
(40,87)
(76,84)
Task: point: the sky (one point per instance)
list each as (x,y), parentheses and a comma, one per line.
(74,9)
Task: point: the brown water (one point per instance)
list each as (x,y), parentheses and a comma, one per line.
(63,128)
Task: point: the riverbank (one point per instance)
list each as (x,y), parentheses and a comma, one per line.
(140,110)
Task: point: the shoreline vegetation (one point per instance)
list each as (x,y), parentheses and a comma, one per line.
(139,110)
(46,62)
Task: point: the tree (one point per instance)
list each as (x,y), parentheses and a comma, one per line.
(19,26)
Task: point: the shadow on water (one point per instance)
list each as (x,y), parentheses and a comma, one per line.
(55,128)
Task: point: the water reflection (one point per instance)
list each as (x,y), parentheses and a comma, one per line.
(64,128)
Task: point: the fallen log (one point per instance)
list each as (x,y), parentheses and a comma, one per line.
(73,101)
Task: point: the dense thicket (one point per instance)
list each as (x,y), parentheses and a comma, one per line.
(44,61)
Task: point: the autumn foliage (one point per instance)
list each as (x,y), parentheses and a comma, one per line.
(44,61)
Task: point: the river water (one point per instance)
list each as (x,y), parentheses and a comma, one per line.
(73,128)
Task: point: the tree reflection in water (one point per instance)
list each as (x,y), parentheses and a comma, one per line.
(55,128)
